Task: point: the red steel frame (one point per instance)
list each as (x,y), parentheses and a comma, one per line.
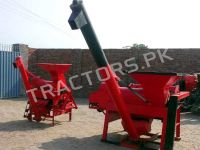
(158,89)
(54,105)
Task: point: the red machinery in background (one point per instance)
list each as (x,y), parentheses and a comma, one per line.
(46,99)
(189,83)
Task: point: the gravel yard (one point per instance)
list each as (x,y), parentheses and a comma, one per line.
(84,132)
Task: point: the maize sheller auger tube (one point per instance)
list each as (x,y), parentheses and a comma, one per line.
(19,64)
(80,20)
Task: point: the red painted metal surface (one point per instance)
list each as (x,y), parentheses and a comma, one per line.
(57,98)
(116,96)
(190,82)
(156,88)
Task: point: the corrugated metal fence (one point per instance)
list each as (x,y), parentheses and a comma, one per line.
(9,76)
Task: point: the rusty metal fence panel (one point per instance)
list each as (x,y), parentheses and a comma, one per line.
(9,76)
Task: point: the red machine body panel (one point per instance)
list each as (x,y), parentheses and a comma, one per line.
(154,87)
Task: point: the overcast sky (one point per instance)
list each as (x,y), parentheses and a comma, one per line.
(118,23)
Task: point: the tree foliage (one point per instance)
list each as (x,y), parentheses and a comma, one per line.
(137,46)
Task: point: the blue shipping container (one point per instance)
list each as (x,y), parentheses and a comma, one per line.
(9,76)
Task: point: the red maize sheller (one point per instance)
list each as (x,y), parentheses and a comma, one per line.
(46,98)
(161,103)
(153,97)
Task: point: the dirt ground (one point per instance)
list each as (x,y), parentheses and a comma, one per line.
(84,132)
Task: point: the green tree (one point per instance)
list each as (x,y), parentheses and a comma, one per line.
(137,46)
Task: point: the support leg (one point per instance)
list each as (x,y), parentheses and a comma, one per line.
(70,115)
(105,128)
(163,135)
(178,124)
(53,121)
(171,122)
